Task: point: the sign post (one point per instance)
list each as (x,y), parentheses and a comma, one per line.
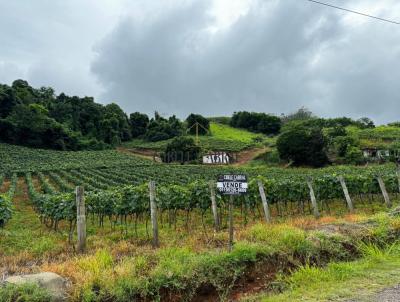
(232,185)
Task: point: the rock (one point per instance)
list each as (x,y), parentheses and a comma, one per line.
(53,283)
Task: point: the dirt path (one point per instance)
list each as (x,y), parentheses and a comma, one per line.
(246,156)
(21,197)
(4,186)
(243,157)
(145,153)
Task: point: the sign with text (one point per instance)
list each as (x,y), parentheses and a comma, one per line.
(232,184)
(216,159)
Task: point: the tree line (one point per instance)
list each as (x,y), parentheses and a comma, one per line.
(40,118)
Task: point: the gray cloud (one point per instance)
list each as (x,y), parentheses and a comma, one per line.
(50,43)
(161,55)
(279,56)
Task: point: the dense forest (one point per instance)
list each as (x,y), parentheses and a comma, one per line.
(40,118)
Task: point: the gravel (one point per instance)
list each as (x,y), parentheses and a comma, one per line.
(391,294)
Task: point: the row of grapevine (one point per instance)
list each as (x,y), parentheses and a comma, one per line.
(21,159)
(123,201)
(6,200)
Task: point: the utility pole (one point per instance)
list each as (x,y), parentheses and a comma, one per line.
(197,125)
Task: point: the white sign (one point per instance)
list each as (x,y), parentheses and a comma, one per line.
(232,184)
(216,159)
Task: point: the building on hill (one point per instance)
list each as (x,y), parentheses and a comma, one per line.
(376,154)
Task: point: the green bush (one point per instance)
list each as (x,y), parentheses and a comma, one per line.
(354,156)
(303,146)
(343,143)
(181,148)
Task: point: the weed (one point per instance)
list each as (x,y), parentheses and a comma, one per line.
(23,293)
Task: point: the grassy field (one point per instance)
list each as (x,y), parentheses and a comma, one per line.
(221,138)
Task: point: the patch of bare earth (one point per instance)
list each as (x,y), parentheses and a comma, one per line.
(145,153)
(5,186)
(246,156)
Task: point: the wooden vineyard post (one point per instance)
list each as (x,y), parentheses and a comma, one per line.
(230,247)
(153,213)
(398,176)
(264,201)
(81,219)
(214,206)
(346,194)
(384,192)
(313,199)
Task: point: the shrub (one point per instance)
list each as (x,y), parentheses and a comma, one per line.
(183,147)
(303,146)
(343,143)
(354,156)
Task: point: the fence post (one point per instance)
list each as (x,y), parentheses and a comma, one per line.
(346,194)
(214,206)
(384,192)
(398,176)
(230,247)
(264,201)
(153,213)
(80,219)
(313,199)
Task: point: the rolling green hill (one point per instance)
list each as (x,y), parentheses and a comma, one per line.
(379,137)
(221,138)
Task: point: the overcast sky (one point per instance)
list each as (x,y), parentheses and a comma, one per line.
(209,56)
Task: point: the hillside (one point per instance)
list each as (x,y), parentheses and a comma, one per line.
(23,159)
(379,137)
(221,138)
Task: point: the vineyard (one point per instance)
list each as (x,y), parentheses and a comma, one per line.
(20,159)
(39,221)
(116,187)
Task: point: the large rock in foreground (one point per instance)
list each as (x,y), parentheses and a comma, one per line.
(53,283)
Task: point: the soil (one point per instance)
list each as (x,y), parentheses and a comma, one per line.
(257,278)
(146,153)
(246,156)
(4,187)
(243,157)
